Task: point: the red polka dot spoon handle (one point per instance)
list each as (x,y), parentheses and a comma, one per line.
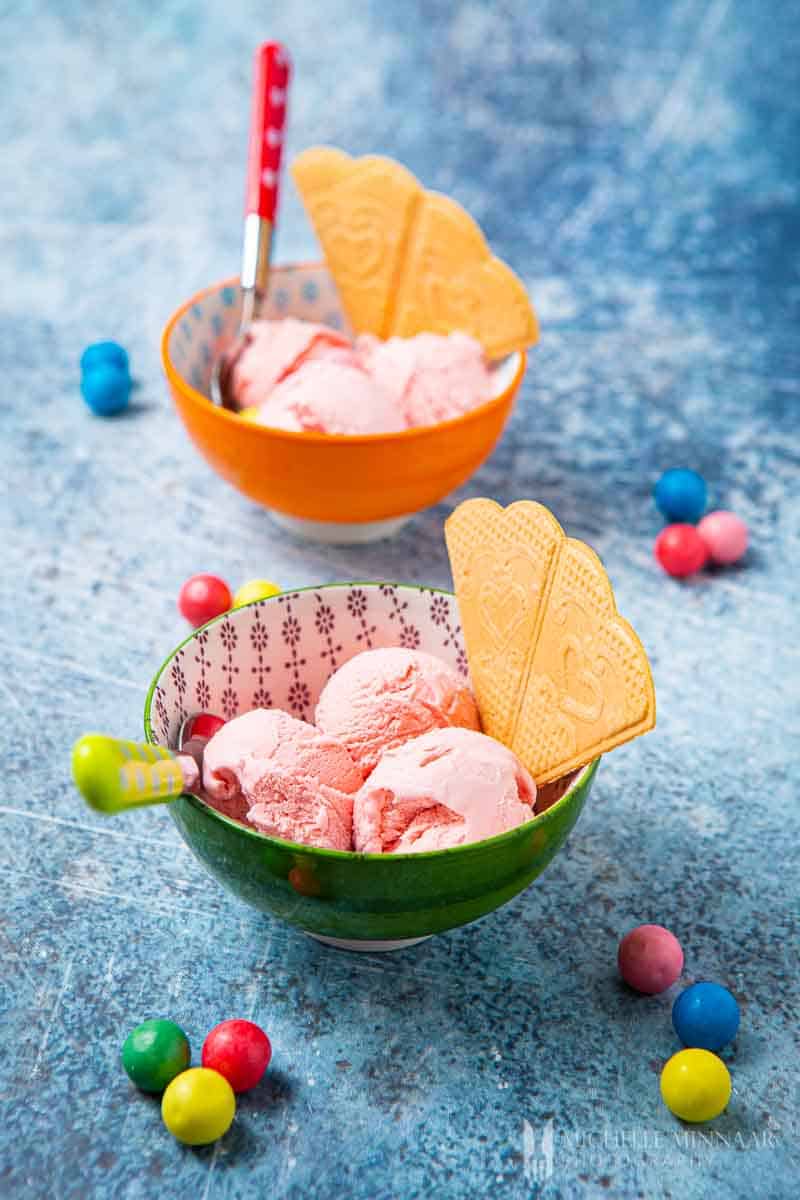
(267,124)
(265,149)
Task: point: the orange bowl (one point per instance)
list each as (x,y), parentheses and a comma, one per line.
(335,488)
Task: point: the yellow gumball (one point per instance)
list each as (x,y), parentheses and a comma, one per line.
(256,589)
(250,415)
(695,1085)
(198,1106)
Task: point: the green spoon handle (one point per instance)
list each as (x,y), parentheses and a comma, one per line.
(113,775)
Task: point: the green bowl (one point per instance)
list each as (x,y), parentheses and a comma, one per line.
(280,652)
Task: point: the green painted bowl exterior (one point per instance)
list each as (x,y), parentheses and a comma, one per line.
(373,896)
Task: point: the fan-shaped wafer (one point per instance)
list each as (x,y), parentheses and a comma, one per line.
(407,261)
(559,675)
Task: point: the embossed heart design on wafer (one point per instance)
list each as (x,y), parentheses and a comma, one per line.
(582,690)
(502,603)
(571,679)
(359,244)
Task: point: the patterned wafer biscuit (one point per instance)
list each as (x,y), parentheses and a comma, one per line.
(407,261)
(453,281)
(573,680)
(501,561)
(361,210)
(589,686)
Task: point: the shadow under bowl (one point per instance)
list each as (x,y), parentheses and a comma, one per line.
(324,487)
(280,652)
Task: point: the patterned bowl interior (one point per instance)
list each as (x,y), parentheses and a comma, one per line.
(280,652)
(305,291)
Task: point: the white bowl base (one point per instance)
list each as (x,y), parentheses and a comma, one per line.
(336,533)
(373,947)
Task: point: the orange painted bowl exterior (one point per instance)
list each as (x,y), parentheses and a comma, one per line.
(319,477)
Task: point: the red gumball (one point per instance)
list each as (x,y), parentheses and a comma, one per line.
(240,1051)
(204,597)
(680,550)
(204,725)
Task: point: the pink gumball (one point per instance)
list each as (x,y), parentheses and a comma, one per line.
(650,959)
(725,534)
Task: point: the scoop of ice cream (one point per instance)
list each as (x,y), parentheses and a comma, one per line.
(381,698)
(271,350)
(431,378)
(329,397)
(284,777)
(446,788)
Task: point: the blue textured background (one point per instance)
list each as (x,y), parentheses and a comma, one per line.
(636,162)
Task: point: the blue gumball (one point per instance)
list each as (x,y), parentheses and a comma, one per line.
(681,495)
(102,353)
(706,1016)
(106,389)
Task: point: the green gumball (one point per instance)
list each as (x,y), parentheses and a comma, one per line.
(154,1053)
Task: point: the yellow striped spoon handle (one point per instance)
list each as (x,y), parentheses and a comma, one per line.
(114,775)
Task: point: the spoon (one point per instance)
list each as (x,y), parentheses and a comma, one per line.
(267,122)
(114,775)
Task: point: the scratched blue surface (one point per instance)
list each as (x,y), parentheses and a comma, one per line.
(637,164)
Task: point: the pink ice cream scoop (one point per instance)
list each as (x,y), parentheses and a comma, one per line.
(446,788)
(271,350)
(330,396)
(284,777)
(431,378)
(381,698)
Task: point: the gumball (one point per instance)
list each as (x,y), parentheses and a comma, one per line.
(681,495)
(725,536)
(706,1015)
(198,1106)
(204,725)
(196,735)
(154,1053)
(304,881)
(650,959)
(204,597)
(256,589)
(103,353)
(695,1085)
(680,550)
(106,389)
(240,1051)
